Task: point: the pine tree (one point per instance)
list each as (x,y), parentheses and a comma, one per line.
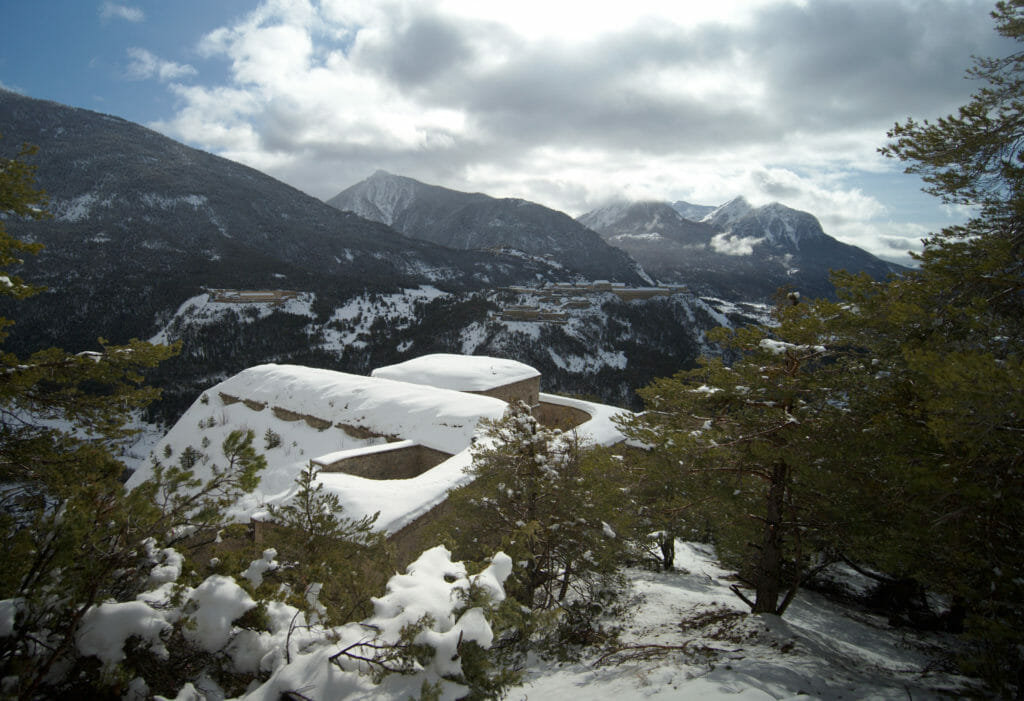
(948,342)
(743,446)
(346,557)
(530,497)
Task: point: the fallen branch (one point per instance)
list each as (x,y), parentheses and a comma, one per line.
(640,653)
(406,668)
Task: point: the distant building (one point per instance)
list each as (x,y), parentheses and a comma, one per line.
(274,297)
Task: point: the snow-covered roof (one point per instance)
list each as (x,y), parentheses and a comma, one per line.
(437,418)
(465,373)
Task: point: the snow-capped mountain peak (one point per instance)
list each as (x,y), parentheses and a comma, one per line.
(651,216)
(475,221)
(785,226)
(693,212)
(606,216)
(737,249)
(723,217)
(382,196)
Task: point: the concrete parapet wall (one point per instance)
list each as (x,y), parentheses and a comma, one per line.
(527,391)
(561,417)
(402,462)
(289,415)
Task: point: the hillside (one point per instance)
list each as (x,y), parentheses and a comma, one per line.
(146,231)
(684,635)
(142,223)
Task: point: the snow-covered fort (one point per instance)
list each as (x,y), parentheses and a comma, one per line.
(395,442)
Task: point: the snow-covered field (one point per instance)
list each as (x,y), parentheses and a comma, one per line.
(710,650)
(683,636)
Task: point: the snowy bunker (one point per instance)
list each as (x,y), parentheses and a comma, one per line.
(382,445)
(504,379)
(301,414)
(508,380)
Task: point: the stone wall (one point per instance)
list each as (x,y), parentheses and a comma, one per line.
(357,432)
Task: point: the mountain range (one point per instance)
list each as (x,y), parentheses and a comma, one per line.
(735,251)
(146,232)
(143,219)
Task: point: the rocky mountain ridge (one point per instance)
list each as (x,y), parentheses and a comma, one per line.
(155,240)
(474,221)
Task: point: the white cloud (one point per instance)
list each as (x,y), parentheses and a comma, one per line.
(734,245)
(145,65)
(570,104)
(112,10)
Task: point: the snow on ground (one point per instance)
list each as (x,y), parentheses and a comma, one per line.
(818,650)
(135,452)
(600,429)
(202,309)
(683,635)
(472,337)
(599,358)
(350,323)
(720,309)
(399,303)
(441,419)
(530,329)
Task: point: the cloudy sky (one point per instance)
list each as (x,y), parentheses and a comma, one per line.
(570,104)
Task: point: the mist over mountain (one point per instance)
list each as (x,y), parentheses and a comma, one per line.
(735,251)
(694,212)
(474,221)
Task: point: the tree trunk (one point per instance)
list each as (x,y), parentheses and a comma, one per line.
(768,575)
(565,582)
(667,543)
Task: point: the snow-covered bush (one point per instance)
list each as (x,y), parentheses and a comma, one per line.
(426,636)
(318,543)
(530,497)
(417,642)
(93,567)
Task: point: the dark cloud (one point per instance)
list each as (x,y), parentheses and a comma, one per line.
(826,66)
(838,63)
(419,51)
